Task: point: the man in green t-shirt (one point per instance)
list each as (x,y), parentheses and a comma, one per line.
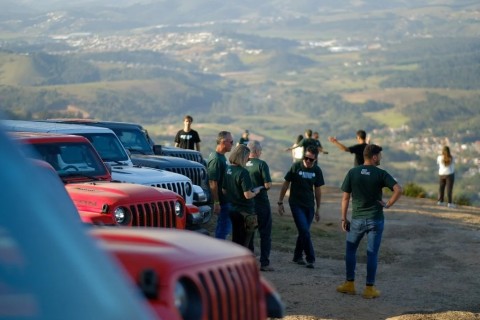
(260,176)
(216,166)
(364,184)
(304,180)
(309,140)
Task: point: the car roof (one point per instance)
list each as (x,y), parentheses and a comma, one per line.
(90,122)
(51,127)
(36,136)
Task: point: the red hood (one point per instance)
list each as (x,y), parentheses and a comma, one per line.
(96,194)
(173,248)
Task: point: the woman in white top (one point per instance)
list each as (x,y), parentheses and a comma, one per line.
(297,152)
(446,173)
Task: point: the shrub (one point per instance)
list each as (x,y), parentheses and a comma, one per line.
(413,190)
(462,199)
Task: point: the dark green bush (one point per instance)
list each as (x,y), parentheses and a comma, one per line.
(413,190)
(462,199)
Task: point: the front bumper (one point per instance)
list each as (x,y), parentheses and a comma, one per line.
(197,216)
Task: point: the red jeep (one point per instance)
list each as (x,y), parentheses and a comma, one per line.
(214,279)
(88,182)
(41,277)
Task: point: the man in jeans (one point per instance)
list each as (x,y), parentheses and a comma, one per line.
(216,166)
(260,176)
(306,179)
(365,183)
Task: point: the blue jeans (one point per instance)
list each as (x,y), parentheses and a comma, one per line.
(264,216)
(224,224)
(358,228)
(303,217)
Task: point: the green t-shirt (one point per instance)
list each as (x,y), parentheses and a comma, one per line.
(302,181)
(216,166)
(259,174)
(365,183)
(236,181)
(305,142)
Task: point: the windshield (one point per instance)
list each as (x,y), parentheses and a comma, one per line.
(108,146)
(69,158)
(134,140)
(49,267)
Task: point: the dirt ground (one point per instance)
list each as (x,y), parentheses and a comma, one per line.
(428,269)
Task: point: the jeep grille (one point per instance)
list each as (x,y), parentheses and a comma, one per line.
(177,187)
(192,156)
(232,291)
(195,174)
(154,214)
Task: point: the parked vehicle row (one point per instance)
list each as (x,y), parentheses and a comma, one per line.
(122,168)
(98,199)
(146,153)
(54,267)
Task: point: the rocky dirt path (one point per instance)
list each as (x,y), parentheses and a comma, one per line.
(429,266)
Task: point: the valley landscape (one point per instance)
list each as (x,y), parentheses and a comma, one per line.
(405,71)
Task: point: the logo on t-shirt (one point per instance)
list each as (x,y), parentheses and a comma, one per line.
(186,136)
(365,172)
(249,164)
(306,175)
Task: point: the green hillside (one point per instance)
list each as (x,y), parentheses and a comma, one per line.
(407,72)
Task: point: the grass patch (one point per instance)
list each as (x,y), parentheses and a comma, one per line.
(390,118)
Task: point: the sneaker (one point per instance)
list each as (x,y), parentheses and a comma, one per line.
(440,203)
(299,261)
(451,205)
(266,268)
(347,287)
(310,265)
(370,292)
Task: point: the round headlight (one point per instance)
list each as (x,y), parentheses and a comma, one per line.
(181,299)
(178,209)
(187,300)
(188,189)
(122,216)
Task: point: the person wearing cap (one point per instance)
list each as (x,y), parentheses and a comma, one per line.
(244,138)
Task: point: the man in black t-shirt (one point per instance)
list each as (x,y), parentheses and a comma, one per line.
(187,138)
(356,149)
(244,138)
(304,179)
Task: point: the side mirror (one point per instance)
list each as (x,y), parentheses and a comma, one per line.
(157,149)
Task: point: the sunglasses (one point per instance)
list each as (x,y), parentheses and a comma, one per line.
(309,159)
